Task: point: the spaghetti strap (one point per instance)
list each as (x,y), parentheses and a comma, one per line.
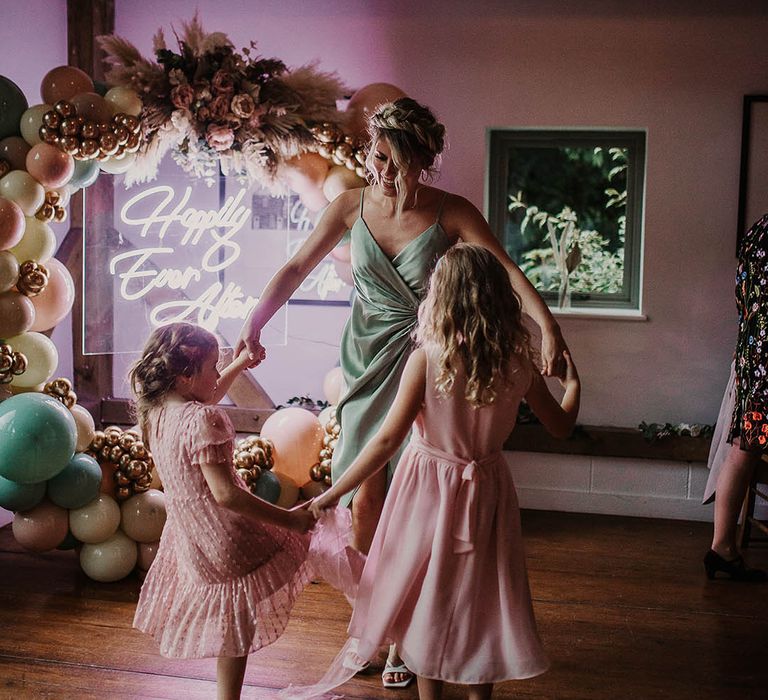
(440,208)
(362,193)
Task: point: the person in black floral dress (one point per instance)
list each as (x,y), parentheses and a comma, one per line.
(748,395)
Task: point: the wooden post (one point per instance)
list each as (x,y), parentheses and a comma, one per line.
(86,19)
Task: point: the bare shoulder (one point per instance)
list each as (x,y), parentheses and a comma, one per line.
(346,206)
(460,217)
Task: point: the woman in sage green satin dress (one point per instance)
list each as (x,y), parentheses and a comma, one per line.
(399,227)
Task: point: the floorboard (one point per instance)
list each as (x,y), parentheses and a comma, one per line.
(623,605)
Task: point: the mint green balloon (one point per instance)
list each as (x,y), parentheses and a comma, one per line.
(37,437)
(77,484)
(12,105)
(268,487)
(86,172)
(14,496)
(69,542)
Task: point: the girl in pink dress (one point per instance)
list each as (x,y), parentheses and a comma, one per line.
(230,565)
(445,579)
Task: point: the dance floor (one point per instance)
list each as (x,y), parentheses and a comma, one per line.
(623,605)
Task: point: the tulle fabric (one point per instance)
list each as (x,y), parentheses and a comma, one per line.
(223,584)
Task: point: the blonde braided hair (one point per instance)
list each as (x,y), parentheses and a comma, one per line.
(414,136)
(474,318)
(172,351)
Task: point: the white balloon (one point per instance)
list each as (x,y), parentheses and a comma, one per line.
(96,521)
(86,428)
(110,560)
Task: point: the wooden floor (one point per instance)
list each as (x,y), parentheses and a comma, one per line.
(623,606)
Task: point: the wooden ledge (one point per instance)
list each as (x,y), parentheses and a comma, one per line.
(602,441)
(586,440)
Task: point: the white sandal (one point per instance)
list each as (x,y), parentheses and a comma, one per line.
(392,669)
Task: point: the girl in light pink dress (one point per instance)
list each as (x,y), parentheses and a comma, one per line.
(230,565)
(445,579)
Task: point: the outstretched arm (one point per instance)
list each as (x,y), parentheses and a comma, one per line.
(245,359)
(383,445)
(228,494)
(557,418)
(329,231)
(465,221)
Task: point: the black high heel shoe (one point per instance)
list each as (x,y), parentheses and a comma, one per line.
(736,569)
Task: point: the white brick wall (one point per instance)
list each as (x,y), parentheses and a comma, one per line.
(616,486)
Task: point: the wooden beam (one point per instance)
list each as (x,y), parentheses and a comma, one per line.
(609,442)
(87,19)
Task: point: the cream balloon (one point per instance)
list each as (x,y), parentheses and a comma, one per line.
(86,428)
(289,491)
(324,416)
(31,121)
(340,179)
(109,560)
(9,270)
(333,385)
(20,187)
(38,242)
(147,554)
(116,166)
(96,521)
(42,358)
(143,516)
(124,100)
(55,301)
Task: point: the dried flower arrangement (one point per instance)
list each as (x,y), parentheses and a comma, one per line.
(212,106)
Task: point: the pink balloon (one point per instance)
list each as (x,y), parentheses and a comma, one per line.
(11,223)
(55,301)
(365,102)
(147,554)
(42,528)
(63,83)
(17,314)
(49,165)
(344,271)
(342,253)
(93,106)
(297,437)
(14,149)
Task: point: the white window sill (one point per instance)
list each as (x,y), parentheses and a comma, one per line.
(599,314)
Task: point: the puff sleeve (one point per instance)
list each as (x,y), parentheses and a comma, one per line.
(211,436)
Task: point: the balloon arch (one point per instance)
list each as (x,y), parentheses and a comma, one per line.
(212,108)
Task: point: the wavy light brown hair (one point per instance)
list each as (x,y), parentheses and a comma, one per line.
(172,351)
(414,136)
(474,318)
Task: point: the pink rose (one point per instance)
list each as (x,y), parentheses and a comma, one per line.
(243,105)
(219,107)
(254,121)
(219,138)
(222,82)
(182,96)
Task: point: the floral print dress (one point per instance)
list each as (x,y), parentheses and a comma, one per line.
(750,414)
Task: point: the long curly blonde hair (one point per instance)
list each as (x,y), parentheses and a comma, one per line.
(473,317)
(414,136)
(172,351)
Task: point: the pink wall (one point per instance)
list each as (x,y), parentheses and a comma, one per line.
(679,73)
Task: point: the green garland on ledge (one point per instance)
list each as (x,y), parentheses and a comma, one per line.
(656,431)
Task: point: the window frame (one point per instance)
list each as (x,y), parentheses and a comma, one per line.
(498,143)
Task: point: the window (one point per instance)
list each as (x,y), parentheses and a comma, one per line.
(567,206)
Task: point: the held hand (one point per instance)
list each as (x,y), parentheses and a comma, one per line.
(300,519)
(553,348)
(245,359)
(249,340)
(323,502)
